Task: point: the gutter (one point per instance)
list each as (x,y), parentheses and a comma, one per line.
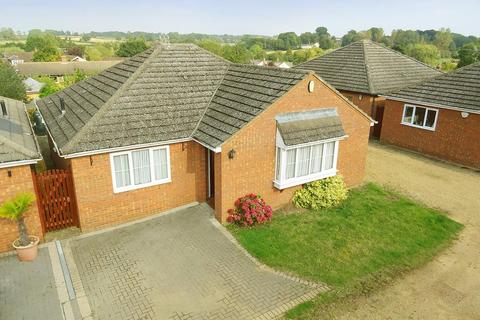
(428,104)
(18,163)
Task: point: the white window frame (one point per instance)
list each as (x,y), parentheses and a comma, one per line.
(132,185)
(411,124)
(281,183)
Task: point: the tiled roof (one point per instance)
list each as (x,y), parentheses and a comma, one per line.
(16,138)
(368,67)
(459,89)
(315,125)
(167,93)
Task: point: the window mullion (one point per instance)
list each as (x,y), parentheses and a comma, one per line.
(324,151)
(283,162)
(130,168)
(296,163)
(152,166)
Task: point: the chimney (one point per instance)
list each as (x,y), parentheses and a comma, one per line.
(4,108)
(62,105)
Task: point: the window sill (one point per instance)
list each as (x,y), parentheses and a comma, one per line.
(141,186)
(418,127)
(301,180)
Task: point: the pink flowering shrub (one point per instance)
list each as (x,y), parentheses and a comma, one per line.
(249,210)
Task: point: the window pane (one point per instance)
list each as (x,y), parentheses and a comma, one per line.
(303,161)
(407,116)
(430,118)
(290,170)
(279,164)
(160,163)
(141,166)
(316,165)
(329,155)
(419,116)
(122,171)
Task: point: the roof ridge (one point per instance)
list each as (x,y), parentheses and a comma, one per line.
(211,98)
(106,106)
(367,69)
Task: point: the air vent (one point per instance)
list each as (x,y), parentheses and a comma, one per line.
(62,105)
(4,108)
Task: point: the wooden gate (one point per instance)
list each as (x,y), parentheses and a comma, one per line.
(56,199)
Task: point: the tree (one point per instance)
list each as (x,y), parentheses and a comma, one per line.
(237,53)
(46,54)
(11,86)
(350,37)
(76,51)
(289,40)
(212,45)
(468,54)
(257,52)
(426,53)
(132,47)
(443,40)
(375,34)
(402,38)
(85,38)
(15,210)
(7,34)
(325,40)
(37,39)
(308,38)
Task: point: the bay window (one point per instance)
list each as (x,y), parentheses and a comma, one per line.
(419,117)
(296,165)
(140,168)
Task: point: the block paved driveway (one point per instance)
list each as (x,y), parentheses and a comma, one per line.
(449,286)
(179,266)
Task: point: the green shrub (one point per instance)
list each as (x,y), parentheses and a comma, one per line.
(320,194)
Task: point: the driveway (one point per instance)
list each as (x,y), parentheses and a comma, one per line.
(180,265)
(449,286)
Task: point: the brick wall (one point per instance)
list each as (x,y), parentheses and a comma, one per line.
(253,168)
(362,100)
(20,181)
(100,207)
(455,138)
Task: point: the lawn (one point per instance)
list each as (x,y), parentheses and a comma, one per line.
(372,237)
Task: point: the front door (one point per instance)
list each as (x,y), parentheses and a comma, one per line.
(211,178)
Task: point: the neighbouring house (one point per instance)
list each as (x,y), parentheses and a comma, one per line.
(18,154)
(277,64)
(58,69)
(33,87)
(18,58)
(365,70)
(176,125)
(439,117)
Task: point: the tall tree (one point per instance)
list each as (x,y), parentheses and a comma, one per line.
(325,40)
(402,38)
(468,54)
(11,86)
(443,40)
(375,34)
(132,47)
(288,40)
(308,38)
(426,53)
(351,37)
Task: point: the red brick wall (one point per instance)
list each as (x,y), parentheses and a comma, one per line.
(20,181)
(100,207)
(455,138)
(362,100)
(253,168)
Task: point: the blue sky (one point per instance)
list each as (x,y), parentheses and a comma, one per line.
(240,17)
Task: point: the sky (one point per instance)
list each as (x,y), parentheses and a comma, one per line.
(240,16)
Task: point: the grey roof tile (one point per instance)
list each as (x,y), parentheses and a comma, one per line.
(17,141)
(459,89)
(368,67)
(166,93)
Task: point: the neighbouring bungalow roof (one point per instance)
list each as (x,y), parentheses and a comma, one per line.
(304,127)
(369,67)
(30,69)
(16,137)
(32,85)
(170,92)
(459,89)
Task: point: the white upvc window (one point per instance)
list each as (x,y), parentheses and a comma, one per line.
(419,117)
(300,164)
(140,168)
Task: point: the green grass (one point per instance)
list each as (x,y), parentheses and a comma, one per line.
(372,237)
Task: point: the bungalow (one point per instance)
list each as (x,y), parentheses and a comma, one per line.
(18,58)
(439,117)
(176,125)
(33,87)
(365,70)
(18,154)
